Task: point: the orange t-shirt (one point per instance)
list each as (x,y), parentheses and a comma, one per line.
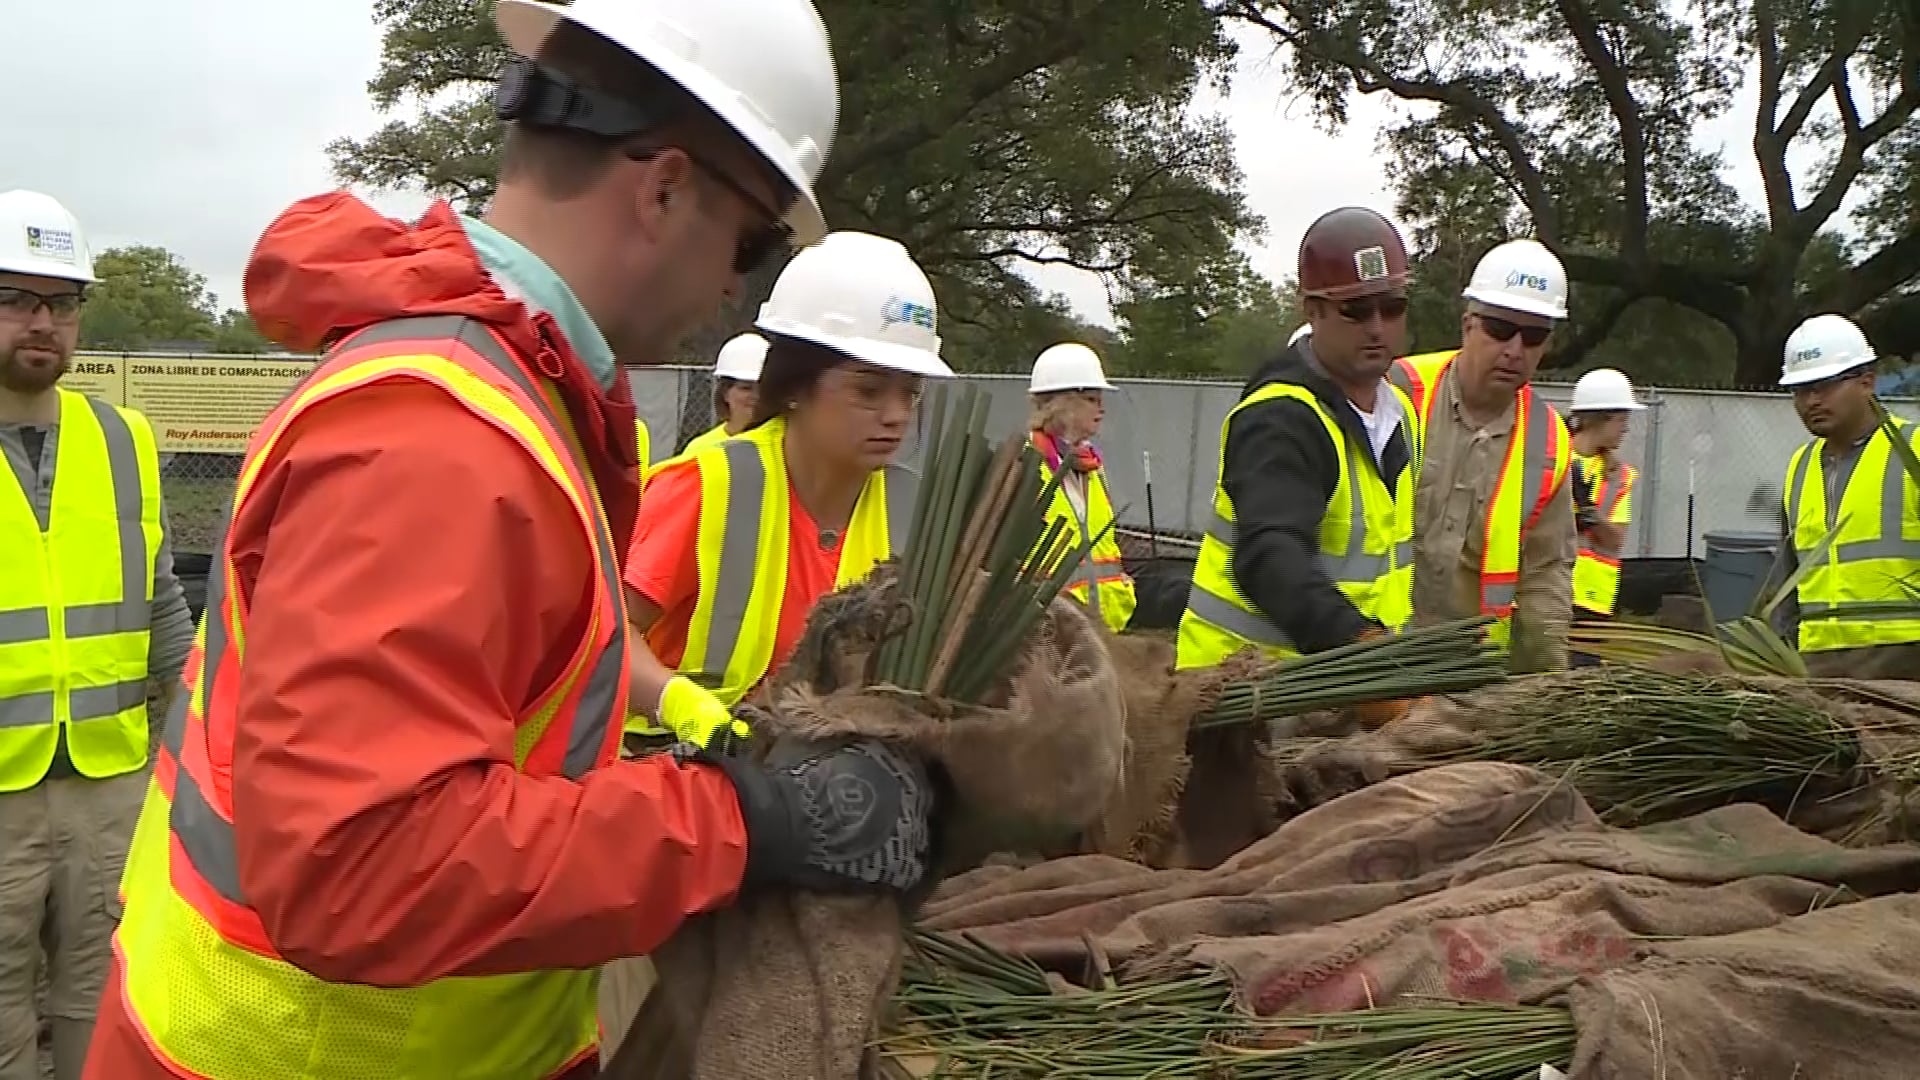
(662,564)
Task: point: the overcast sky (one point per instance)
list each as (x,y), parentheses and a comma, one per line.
(191,124)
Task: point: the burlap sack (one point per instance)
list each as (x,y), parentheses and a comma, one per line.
(791,986)
(1829,995)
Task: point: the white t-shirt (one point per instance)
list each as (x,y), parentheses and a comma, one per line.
(1386,416)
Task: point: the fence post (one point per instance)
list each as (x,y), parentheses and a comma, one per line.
(1650,471)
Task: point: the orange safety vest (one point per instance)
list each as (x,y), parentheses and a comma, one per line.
(1596,574)
(204,983)
(1539,456)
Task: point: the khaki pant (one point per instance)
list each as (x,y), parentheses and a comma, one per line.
(62,847)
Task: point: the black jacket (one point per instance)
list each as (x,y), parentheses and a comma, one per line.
(1280,470)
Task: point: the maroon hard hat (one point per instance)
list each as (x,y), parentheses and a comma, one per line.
(1351,252)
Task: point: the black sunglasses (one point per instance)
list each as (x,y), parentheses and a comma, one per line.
(22,303)
(1501,330)
(751,251)
(1363,308)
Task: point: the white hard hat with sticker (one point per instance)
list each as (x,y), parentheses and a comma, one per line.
(38,236)
(861,295)
(1823,347)
(1521,275)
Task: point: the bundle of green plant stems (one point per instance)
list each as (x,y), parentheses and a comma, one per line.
(969,1012)
(1643,746)
(983,560)
(1448,657)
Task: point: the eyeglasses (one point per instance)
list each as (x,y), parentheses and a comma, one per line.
(1361,309)
(1501,330)
(21,304)
(752,250)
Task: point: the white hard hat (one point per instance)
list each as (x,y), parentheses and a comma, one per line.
(740,358)
(1604,390)
(1521,275)
(1823,347)
(38,236)
(763,66)
(861,295)
(1067,366)
(1305,329)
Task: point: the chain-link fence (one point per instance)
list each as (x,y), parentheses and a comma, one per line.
(1710,460)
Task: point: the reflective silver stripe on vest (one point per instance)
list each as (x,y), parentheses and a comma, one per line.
(1234,619)
(903,490)
(1888,544)
(27,710)
(21,625)
(1535,460)
(207,838)
(1498,594)
(739,543)
(133,611)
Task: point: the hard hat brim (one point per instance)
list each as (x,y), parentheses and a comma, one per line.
(1509,302)
(526,25)
(887,354)
(1069,384)
(1626,406)
(59,271)
(1824,372)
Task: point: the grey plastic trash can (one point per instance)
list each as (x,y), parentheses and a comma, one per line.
(1738,569)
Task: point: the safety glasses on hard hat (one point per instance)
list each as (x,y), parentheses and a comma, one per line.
(752,250)
(1502,331)
(1360,309)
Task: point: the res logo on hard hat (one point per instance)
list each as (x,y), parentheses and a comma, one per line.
(898,311)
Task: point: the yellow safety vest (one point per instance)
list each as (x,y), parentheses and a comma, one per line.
(203,981)
(1539,458)
(707,440)
(741,551)
(1875,551)
(1596,574)
(645,443)
(76,600)
(1366,546)
(1100,581)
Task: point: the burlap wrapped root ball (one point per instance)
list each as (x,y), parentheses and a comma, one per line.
(1026,772)
(794,986)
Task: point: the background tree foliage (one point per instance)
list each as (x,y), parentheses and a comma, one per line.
(986,135)
(1574,120)
(147,297)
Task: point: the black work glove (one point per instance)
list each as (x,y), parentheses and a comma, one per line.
(830,820)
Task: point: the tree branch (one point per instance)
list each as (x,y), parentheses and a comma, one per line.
(1710,294)
(1370,76)
(1594,331)
(1879,274)
(1045,48)
(1626,113)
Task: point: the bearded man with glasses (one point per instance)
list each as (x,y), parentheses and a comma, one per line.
(1495,522)
(1310,544)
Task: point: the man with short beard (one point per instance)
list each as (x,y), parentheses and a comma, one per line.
(93,626)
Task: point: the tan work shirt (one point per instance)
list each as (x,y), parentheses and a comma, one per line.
(1463,462)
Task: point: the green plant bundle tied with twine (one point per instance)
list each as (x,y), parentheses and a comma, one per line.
(1449,657)
(1645,746)
(983,561)
(964,1010)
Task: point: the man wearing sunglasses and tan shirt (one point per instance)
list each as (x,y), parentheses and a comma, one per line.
(1310,542)
(1494,518)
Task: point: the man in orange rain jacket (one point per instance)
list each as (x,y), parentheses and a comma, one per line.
(387,833)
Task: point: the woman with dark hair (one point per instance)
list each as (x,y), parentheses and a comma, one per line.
(735,543)
(736,375)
